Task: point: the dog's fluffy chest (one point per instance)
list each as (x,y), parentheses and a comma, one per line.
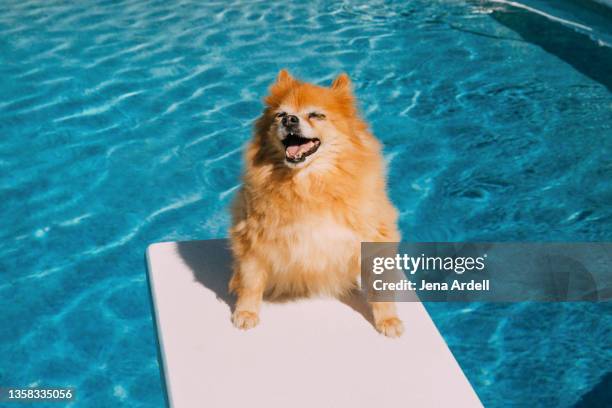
(316,242)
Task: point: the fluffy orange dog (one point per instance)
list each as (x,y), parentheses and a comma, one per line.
(313,190)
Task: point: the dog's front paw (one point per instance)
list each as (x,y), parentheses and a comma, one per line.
(244,319)
(390,327)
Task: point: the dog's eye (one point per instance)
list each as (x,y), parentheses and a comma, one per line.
(281,114)
(316,115)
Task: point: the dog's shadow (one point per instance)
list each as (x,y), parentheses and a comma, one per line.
(210,262)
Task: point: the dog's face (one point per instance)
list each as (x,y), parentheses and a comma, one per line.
(307,123)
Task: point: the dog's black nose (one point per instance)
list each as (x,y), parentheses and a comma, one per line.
(290,120)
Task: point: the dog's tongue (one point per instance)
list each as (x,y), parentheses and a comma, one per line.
(296,151)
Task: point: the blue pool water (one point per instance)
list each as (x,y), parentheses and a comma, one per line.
(122,122)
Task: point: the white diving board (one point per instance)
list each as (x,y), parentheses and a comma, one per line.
(313,353)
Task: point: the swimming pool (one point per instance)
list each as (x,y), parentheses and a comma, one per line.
(122,125)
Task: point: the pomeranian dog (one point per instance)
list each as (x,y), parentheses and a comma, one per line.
(313,190)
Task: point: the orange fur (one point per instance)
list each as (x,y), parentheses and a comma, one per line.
(297,230)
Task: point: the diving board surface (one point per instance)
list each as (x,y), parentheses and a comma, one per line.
(306,353)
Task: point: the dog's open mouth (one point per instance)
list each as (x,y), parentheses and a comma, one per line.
(297,147)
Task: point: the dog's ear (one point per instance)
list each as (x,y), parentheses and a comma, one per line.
(284,77)
(342,87)
(342,83)
(284,81)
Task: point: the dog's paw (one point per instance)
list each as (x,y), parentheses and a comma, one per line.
(390,327)
(245,320)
